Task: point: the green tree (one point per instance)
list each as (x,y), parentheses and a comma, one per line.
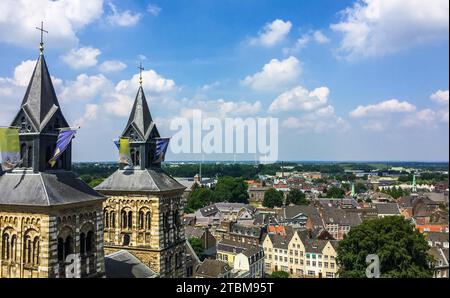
(199,198)
(197,246)
(335,192)
(232,190)
(360,187)
(273,198)
(296,197)
(279,274)
(402,249)
(86,178)
(96,181)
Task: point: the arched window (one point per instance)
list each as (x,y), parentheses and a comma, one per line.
(113,219)
(137,162)
(13,247)
(90,243)
(23,152)
(82,244)
(130,219)
(133,156)
(106,218)
(126,239)
(36,250)
(30,156)
(5,246)
(60,249)
(141,220)
(27,250)
(68,246)
(148,220)
(124,219)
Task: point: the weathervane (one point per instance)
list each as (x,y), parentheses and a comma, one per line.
(140,72)
(41,47)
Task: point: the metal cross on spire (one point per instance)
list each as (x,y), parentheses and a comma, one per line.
(41,47)
(140,72)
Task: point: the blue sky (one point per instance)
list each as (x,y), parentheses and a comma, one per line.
(348,80)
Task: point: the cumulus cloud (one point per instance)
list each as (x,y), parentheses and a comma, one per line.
(112,66)
(63,19)
(378,27)
(382,108)
(122,18)
(23,72)
(81,58)
(91,111)
(440,97)
(86,88)
(300,99)
(275,74)
(120,100)
(153,9)
(306,38)
(315,124)
(272,33)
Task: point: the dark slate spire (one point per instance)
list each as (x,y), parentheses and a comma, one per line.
(40,102)
(39,119)
(140,126)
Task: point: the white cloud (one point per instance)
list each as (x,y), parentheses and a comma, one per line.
(275,74)
(300,99)
(120,100)
(207,87)
(153,9)
(23,72)
(374,126)
(272,33)
(378,27)
(319,37)
(112,66)
(440,97)
(86,88)
(63,19)
(152,82)
(315,124)
(81,58)
(122,18)
(383,108)
(311,36)
(91,112)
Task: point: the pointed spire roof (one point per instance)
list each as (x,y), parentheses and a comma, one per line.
(140,117)
(40,102)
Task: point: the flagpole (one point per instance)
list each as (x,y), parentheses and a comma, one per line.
(6,126)
(69,127)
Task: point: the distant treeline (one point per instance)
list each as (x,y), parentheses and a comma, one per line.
(99,171)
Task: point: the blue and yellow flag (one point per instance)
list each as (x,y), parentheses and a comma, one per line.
(161,148)
(124,152)
(64,139)
(9,148)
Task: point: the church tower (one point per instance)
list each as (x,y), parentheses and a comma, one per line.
(50,221)
(143,209)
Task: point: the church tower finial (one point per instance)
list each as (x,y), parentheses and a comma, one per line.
(140,73)
(41,45)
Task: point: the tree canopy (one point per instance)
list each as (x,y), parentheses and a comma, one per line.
(402,250)
(273,198)
(279,274)
(197,245)
(296,197)
(335,192)
(232,190)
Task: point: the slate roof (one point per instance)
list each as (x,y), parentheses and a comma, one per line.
(44,189)
(437,237)
(140,117)
(387,208)
(333,215)
(209,210)
(195,232)
(122,264)
(40,102)
(152,180)
(212,268)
